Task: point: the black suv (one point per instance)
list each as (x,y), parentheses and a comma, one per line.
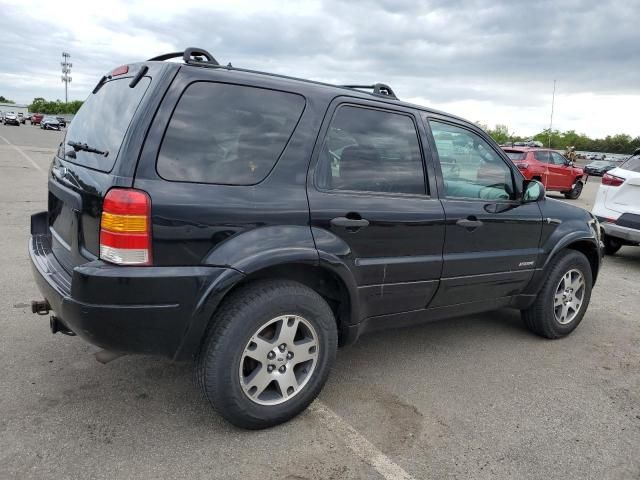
(253,222)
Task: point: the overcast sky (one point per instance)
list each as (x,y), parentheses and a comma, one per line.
(491,61)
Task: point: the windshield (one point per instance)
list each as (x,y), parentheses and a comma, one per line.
(103,120)
(515,155)
(633,164)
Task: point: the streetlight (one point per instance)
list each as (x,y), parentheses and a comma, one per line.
(66,71)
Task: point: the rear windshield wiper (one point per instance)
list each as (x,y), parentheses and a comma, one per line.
(77,146)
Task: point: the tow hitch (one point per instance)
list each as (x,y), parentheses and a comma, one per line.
(41,307)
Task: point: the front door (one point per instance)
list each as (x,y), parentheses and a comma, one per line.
(371,207)
(492,239)
(558,170)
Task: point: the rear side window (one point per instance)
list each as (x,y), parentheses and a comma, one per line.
(103,120)
(227,134)
(542,156)
(373,151)
(633,164)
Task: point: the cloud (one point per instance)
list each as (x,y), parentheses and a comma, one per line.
(479,56)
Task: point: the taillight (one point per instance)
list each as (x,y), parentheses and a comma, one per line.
(125,227)
(612,180)
(120,70)
(522,166)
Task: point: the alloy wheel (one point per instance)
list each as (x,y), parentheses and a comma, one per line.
(569,296)
(278,360)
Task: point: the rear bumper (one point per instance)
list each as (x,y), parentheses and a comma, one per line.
(624,233)
(154,310)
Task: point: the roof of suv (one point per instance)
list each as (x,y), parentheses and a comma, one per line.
(193,57)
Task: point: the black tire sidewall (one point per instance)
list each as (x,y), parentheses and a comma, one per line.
(226,393)
(571,260)
(611,245)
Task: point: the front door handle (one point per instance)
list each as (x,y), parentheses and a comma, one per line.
(469,223)
(351,224)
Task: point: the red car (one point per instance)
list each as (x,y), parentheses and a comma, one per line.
(552,169)
(36,118)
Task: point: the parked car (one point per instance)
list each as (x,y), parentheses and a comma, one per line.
(617,205)
(11,118)
(21,117)
(598,168)
(50,123)
(62,122)
(36,118)
(193,214)
(555,171)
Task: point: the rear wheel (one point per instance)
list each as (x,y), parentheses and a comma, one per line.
(564,297)
(268,354)
(611,245)
(575,191)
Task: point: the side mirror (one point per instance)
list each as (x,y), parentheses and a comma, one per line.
(533,191)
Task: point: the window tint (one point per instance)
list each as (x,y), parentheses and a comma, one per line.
(542,156)
(227,134)
(470,167)
(557,159)
(103,120)
(515,155)
(371,150)
(633,164)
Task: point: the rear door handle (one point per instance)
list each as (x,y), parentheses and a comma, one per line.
(469,223)
(349,223)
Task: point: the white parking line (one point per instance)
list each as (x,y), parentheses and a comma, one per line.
(19,150)
(359,445)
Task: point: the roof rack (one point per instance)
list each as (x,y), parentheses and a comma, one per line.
(378,89)
(191,55)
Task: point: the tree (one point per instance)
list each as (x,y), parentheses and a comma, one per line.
(4,99)
(41,105)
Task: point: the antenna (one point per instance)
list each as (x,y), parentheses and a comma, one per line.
(553,99)
(66,73)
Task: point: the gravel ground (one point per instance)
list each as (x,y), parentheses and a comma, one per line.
(476,397)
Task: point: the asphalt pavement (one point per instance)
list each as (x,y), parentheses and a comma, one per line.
(476,397)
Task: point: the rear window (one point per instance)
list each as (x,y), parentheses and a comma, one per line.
(514,155)
(633,164)
(103,120)
(227,134)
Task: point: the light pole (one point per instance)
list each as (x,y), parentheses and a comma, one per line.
(66,73)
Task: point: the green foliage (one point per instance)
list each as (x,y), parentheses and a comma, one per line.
(40,105)
(620,143)
(5,100)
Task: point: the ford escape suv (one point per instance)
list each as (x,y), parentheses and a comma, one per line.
(253,223)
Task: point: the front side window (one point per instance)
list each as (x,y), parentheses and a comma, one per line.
(632,164)
(371,150)
(557,159)
(470,167)
(227,134)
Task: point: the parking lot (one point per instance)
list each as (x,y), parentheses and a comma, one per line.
(475,397)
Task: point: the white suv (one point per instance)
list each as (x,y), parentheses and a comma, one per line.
(617,205)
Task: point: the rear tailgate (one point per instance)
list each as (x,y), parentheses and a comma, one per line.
(626,197)
(80,178)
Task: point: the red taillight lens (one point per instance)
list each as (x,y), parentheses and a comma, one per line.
(612,180)
(125,227)
(120,70)
(522,166)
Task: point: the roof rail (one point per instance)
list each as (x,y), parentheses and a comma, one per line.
(378,89)
(192,55)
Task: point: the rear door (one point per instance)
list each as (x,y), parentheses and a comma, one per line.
(492,239)
(372,208)
(544,158)
(79,179)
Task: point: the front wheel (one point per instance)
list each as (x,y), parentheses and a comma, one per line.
(575,192)
(563,299)
(268,353)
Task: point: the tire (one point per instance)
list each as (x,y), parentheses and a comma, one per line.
(544,317)
(228,350)
(575,191)
(611,245)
